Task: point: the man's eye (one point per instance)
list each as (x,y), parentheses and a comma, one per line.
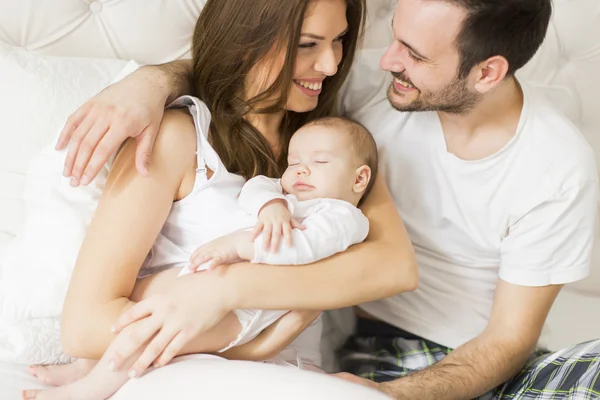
(413,57)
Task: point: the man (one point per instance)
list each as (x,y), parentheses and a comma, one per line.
(499,196)
(498,192)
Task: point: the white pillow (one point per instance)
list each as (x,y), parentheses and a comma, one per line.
(37,94)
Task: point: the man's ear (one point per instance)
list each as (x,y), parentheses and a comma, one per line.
(490,73)
(363,177)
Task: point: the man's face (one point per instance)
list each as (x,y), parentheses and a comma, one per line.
(424,58)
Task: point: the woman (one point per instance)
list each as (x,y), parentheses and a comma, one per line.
(258,66)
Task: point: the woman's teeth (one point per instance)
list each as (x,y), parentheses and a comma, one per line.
(403,83)
(310,85)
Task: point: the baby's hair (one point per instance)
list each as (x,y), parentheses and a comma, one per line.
(364,146)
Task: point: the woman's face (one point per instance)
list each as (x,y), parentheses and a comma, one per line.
(319,54)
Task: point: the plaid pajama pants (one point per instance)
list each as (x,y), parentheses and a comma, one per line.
(381,352)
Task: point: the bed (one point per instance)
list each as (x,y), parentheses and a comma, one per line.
(40,40)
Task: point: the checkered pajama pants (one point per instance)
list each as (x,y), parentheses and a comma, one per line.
(383,353)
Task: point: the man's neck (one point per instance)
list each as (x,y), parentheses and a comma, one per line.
(487,127)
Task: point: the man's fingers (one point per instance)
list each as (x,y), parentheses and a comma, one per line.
(86,148)
(73,147)
(70,125)
(143,152)
(104,150)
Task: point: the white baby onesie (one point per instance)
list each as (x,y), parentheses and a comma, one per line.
(331,227)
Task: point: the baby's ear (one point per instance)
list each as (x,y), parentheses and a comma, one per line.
(363,176)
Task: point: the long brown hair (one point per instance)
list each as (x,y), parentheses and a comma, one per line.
(230,37)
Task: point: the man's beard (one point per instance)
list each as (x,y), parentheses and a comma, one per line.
(455,98)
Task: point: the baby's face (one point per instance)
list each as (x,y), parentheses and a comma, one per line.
(320,165)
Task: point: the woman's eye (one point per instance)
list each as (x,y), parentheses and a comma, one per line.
(306,45)
(321,162)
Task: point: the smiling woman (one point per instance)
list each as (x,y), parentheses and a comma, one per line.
(261,71)
(289,61)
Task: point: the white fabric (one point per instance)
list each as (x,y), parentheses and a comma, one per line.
(210,377)
(525,214)
(566,65)
(38,94)
(36,267)
(331,225)
(148,31)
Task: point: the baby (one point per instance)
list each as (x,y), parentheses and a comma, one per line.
(332,165)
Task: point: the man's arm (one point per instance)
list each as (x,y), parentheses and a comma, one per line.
(490,359)
(176,77)
(131,107)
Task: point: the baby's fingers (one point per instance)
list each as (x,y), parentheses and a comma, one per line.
(276,238)
(297,225)
(287,234)
(198,258)
(266,234)
(214,263)
(258,228)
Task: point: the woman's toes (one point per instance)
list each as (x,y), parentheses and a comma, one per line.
(29,394)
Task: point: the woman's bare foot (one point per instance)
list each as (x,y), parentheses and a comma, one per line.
(58,375)
(85,388)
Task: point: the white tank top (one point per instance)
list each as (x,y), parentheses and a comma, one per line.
(211,210)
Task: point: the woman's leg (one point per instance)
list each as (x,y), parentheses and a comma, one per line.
(58,375)
(101,382)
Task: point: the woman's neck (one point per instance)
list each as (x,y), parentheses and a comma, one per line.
(269,125)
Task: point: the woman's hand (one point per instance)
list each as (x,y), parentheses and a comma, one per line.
(169,322)
(132,107)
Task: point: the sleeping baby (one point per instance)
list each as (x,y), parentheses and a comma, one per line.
(332,165)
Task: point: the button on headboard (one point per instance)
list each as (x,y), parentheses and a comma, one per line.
(148,31)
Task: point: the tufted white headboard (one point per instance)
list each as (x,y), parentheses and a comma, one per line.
(155,31)
(148,31)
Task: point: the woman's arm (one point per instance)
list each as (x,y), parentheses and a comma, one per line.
(130,214)
(382,266)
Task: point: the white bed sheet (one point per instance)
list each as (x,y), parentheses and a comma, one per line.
(209,377)
(13,379)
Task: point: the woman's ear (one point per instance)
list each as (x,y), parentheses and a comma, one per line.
(363,177)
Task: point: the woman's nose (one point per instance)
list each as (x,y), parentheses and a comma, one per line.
(327,63)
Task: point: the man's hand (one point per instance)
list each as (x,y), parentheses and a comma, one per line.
(382,387)
(274,222)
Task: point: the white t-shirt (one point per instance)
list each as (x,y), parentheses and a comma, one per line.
(525,214)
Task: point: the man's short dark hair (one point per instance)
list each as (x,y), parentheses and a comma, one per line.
(513,29)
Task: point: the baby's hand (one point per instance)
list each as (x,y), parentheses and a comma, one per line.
(274,222)
(223,250)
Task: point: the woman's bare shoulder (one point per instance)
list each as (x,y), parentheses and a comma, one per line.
(175,146)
